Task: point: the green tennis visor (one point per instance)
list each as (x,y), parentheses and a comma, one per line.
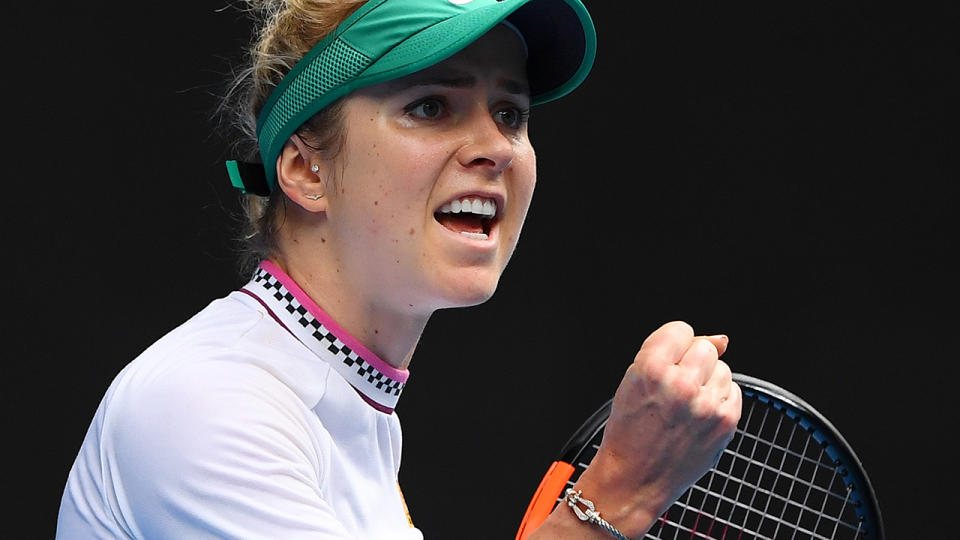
(388,39)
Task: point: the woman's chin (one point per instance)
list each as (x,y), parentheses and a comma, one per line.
(468,293)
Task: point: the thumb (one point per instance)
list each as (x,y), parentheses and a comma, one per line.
(720,341)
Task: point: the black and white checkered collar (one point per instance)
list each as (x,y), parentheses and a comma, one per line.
(379,383)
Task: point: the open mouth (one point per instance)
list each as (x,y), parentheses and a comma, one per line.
(472,217)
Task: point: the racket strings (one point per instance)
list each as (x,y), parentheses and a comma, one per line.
(774,481)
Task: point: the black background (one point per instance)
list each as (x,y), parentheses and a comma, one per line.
(785,173)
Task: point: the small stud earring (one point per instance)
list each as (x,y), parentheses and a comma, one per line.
(315,168)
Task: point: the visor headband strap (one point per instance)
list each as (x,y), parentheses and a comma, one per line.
(523,40)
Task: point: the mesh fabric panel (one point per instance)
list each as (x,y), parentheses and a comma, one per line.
(337,64)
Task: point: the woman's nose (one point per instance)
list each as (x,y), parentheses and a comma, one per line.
(488,148)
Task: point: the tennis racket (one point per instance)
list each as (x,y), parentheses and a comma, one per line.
(786,474)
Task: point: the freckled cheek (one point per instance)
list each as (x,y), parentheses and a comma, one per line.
(414,160)
(372,226)
(390,224)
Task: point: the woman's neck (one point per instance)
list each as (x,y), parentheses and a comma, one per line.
(390,334)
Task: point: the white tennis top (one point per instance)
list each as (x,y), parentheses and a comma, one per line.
(259,418)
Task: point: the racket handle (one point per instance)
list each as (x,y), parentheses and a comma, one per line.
(545,498)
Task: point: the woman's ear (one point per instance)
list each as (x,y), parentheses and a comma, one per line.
(302,179)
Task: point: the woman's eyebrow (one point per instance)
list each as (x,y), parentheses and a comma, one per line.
(453,81)
(513,86)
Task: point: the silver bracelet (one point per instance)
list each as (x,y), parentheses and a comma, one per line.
(589,513)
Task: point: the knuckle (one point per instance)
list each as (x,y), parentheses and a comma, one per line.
(641,356)
(703,347)
(736,394)
(722,372)
(707,405)
(685,386)
(652,367)
(731,418)
(702,409)
(734,411)
(632,374)
(679,328)
(673,330)
(729,422)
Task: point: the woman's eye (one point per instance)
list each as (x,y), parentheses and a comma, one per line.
(426,108)
(512,117)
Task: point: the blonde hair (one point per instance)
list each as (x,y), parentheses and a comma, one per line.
(286,30)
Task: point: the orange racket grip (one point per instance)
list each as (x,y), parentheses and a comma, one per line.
(545,498)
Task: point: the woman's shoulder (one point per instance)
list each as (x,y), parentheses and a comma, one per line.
(199,413)
(232,349)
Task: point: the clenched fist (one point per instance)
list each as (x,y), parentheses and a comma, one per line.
(674,412)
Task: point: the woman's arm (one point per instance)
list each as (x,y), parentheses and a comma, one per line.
(675,410)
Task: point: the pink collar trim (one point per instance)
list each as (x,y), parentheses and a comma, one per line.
(379,383)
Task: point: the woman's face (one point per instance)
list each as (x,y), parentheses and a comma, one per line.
(418,149)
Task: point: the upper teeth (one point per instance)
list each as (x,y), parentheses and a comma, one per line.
(484,207)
